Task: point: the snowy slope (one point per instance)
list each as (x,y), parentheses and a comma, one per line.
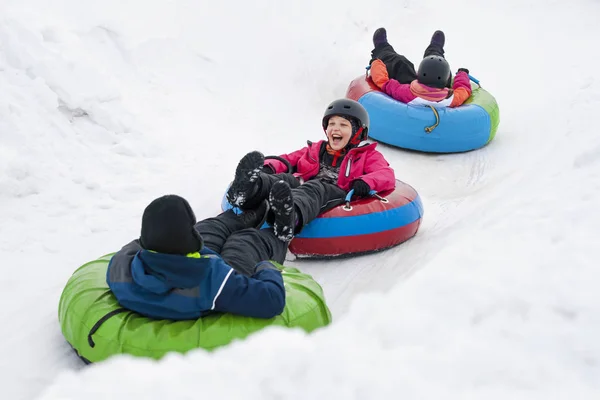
(107,105)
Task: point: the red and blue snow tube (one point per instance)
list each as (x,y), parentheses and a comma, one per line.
(362,226)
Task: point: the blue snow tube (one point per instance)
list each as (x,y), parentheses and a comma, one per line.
(444,130)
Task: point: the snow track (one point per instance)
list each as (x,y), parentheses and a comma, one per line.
(106,105)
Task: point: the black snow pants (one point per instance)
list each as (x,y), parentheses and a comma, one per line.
(311,198)
(240,246)
(398,66)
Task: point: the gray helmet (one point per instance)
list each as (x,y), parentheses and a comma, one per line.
(349,108)
(434,71)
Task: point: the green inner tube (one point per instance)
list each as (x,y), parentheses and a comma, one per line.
(485,100)
(97,327)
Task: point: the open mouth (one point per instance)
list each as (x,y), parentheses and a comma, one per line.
(336,139)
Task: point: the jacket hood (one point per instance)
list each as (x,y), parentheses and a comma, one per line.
(159,273)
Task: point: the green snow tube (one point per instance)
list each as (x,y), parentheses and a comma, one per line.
(97,327)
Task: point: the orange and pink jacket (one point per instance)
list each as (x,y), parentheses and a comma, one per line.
(415,93)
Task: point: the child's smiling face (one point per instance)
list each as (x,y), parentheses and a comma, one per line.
(339,132)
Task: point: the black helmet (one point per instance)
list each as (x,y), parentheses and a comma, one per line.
(434,71)
(349,108)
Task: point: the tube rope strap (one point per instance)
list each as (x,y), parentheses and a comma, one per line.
(429,129)
(98,324)
(348,207)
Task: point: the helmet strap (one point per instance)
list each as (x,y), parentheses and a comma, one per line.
(356,139)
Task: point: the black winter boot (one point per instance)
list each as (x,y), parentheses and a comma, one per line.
(438,38)
(257,216)
(244,185)
(379,37)
(282,208)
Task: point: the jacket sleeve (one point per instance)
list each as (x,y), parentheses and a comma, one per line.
(379,73)
(260,296)
(378,173)
(292,158)
(462,89)
(398,91)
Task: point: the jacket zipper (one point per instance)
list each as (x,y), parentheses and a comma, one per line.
(348,167)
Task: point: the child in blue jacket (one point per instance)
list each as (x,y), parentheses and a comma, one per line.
(179,269)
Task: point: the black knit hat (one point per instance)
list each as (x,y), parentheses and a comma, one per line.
(168,226)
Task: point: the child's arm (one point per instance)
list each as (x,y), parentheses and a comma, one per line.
(259,296)
(378,173)
(293,158)
(461,87)
(391,87)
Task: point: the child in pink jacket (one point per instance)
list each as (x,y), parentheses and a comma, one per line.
(322,173)
(430,85)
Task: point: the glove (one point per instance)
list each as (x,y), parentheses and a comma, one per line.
(361,189)
(463,70)
(379,73)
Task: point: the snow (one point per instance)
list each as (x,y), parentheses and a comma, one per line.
(106,105)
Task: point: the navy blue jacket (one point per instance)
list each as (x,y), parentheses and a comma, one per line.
(166,286)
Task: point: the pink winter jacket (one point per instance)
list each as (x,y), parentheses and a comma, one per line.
(362,162)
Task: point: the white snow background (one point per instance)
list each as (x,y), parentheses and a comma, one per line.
(106,105)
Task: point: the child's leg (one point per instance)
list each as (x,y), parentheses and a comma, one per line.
(216,230)
(436,48)
(292,209)
(251,184)
(264,184)
(399,67)
(245,248)
(315,197)
(436,45)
